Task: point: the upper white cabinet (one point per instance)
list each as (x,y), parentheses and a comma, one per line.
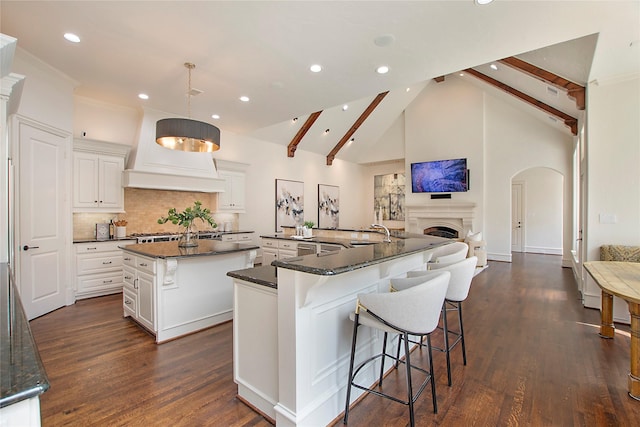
(97,176)
(234,175)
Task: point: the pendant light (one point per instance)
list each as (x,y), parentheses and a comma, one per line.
(186,134)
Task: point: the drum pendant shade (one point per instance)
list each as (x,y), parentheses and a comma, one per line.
(187,135)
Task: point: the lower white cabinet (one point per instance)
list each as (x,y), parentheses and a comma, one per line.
(139,278)
(273,249)
(98,267)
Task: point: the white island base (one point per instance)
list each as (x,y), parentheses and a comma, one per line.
(292,344)
(175,296)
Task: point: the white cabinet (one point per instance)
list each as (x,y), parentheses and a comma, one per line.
(97,176)
(233,197)
(273,249)
(139,275)
(98,268)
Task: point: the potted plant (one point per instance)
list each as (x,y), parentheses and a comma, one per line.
(308,225)
(185,219)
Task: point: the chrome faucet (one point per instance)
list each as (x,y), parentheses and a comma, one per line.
(388,239)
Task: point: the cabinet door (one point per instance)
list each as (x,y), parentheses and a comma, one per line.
(85,180)
(232,200)
(269,255)
(110,182)
(286,253)
(145,300)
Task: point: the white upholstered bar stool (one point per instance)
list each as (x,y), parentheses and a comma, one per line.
(414,311)
(448,254)
(461,276)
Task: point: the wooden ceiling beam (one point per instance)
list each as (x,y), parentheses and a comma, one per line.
(574,90)
(571,122)
(291,148)
(355,126)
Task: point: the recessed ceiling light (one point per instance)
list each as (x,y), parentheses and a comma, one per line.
(493,66)
(351,140)
(244,98)
(215,116)
(407,89)
(461,74)
(326,131)
(72,37)
(295,119)
(143,96)
(481,2)
(345,107)
(383,69)
(315,68)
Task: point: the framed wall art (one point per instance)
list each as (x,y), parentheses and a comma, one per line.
(289,203)
(328,206)
(388,193)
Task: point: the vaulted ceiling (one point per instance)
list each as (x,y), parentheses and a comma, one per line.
(264,49)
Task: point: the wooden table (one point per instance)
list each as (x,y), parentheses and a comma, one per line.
(621,279)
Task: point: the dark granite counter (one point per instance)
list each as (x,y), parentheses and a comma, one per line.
(172,250)
(22,373)
(264,275)
(94,240)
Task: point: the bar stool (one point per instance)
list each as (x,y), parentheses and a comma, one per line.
(448,254)
(414,311)
(459,285)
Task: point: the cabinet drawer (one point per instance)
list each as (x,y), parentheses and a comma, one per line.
(100,262)
(244,237)
(97,282)
(228,238)
(93,247)
(285,253)
(269,243)
(129,303)
(128,259)
(285,244)
(146,264)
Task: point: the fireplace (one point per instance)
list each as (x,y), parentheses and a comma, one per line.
(455,218)
(446,232)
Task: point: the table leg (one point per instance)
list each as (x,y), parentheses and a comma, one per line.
(607,329)
(634,374)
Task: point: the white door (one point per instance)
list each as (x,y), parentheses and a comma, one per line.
(43,216)
(517,225)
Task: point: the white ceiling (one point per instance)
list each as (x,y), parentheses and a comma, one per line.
(263,49)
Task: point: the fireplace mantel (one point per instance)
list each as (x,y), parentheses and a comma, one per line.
(456,215)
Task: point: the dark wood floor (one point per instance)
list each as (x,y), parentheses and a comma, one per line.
(534,359)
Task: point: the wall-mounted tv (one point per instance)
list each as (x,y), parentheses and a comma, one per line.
(440,176)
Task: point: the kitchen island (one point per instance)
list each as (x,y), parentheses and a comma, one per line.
(173,291)
(292,332)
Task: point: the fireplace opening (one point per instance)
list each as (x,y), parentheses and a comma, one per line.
(446,232)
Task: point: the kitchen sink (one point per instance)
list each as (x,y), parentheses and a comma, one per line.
(361,243)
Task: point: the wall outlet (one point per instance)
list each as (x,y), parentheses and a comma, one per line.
(608,218)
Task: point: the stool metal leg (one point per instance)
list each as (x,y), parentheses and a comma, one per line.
(384,353)
(409,389)
(351,361)
(464,351)
(433,381)
(445,329)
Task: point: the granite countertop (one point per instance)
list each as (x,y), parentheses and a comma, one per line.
(23,375)
(266,275)
(93,239)
(337,262)
(347,243)
(172,250)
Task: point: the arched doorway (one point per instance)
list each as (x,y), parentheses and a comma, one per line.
(537,211)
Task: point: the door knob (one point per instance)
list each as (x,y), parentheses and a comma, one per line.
(27,247)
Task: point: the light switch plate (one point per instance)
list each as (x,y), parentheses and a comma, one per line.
(608,218)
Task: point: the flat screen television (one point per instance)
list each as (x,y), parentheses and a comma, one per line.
(440,176)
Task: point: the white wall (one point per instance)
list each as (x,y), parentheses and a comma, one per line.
(613,158)
(457,119)
(542,201)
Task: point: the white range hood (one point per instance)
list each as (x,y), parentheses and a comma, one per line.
(154,167)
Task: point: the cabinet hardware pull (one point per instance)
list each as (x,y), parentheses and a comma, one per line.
(128,302)
(135,284)
(143,264)
(107,281)
(92,249)
(127,259)
(106,262)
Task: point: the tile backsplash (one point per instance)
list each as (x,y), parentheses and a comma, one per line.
(144,207)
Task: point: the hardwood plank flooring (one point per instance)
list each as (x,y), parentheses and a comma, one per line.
(534,359)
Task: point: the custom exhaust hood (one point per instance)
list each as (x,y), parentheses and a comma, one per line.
(154,167)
